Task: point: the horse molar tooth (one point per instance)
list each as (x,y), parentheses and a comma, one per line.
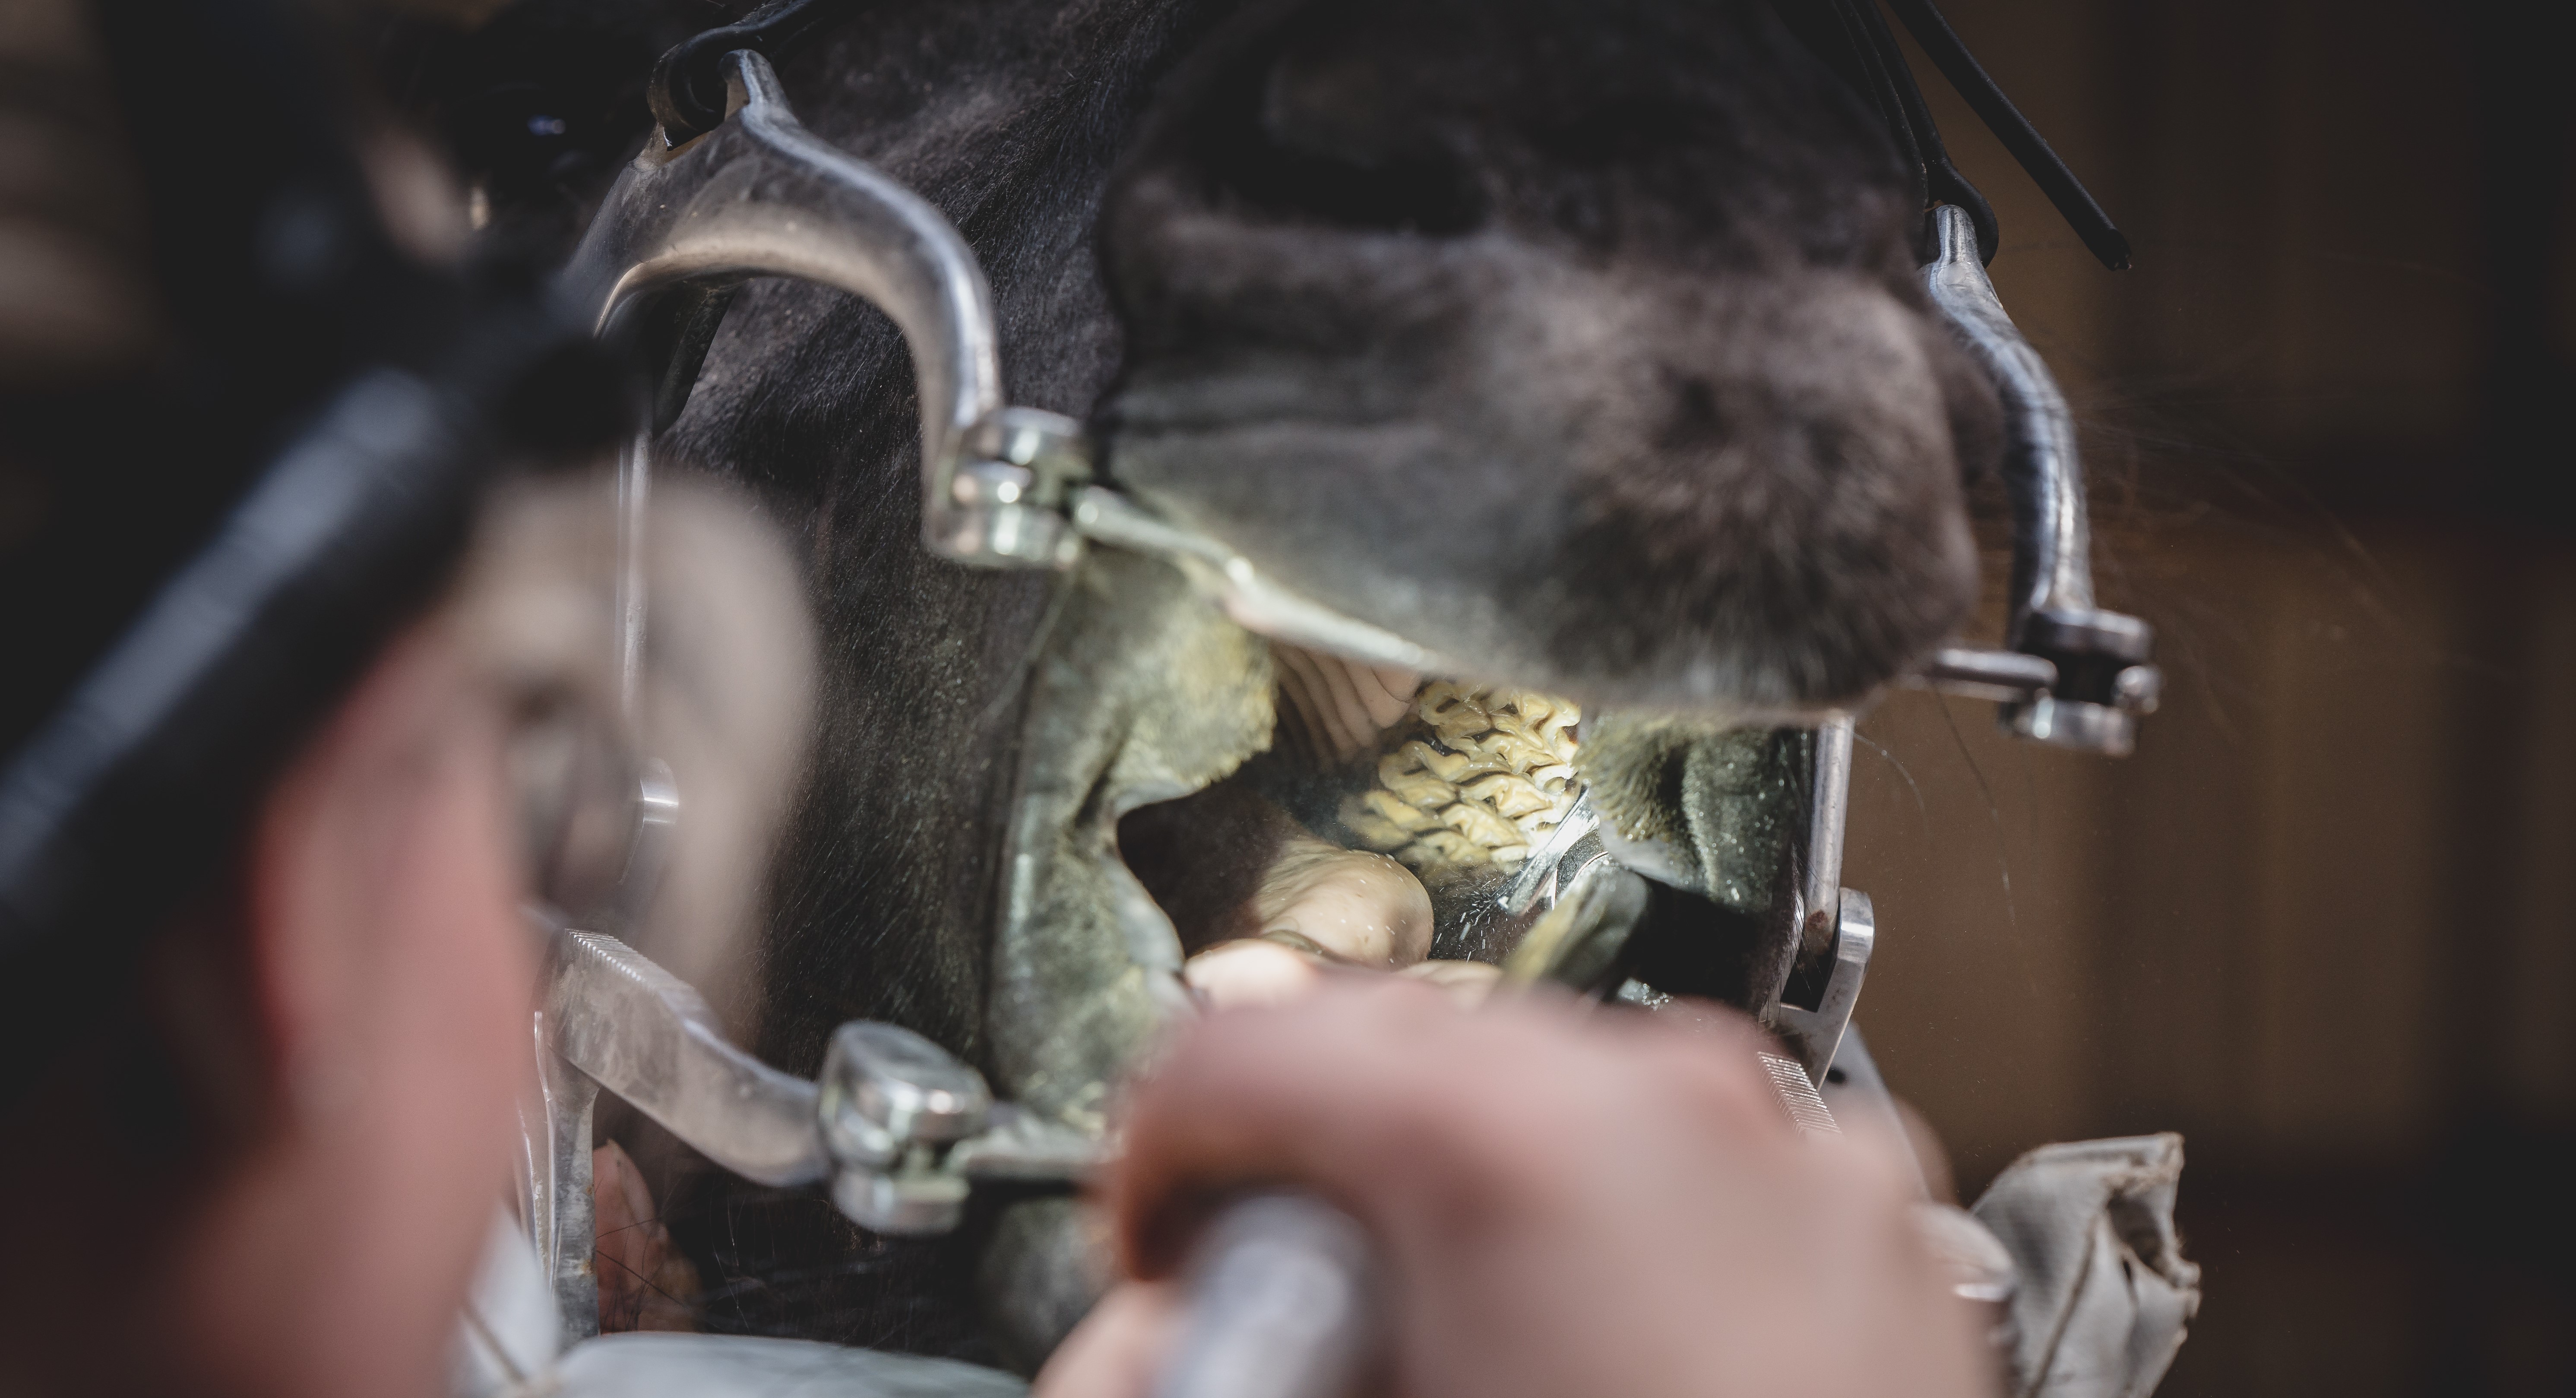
(1509,795)
(1538,823)
(1466,779)
(1391,808)
(1459,768)
(1416,784)
(1374,830)
(1495,772)
(1438,698)
(1473,820)
(1437,847)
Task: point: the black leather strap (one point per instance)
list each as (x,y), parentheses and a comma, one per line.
(686,92)
(1852,37)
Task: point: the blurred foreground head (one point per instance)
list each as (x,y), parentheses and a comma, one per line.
(199,1120)
(268,1161)
(287,685)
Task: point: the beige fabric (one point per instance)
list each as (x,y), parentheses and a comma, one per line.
(2104,1296)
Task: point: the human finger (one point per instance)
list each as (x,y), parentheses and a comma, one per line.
(1117,1349)
(1378,1094)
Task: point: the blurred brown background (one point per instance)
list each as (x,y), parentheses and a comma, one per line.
(2324,922)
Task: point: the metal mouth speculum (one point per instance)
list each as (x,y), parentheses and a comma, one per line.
(899,1128)
(759,196)
(1008,487)
(2099,678)
(2073,675)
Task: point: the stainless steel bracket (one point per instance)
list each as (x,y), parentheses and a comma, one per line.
(2103,678)
(647,1036)
(900,1128)
(555,1186)
(759,196)
(1256,603)
(1818,1033)
(1837,928)
(1557,863)
(1828,817)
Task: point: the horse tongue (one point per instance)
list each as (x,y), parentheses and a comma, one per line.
(1352,906)
(1317,906)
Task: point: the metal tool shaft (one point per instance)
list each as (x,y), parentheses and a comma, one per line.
(1281,1304)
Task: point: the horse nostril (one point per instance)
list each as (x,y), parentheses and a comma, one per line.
(1431,197)
(1695,421)
(1427,194)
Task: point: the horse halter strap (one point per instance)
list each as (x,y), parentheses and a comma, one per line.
(687,89)
(1854,40)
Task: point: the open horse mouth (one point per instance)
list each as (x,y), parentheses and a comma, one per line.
(1383,827)
(1427,827)
(1207,814)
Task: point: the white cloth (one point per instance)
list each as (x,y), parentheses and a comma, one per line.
(2102,1296)
(510,1329)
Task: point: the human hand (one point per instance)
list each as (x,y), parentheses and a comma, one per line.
(1562,1204)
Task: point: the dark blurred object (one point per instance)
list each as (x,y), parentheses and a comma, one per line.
(230,534)
(2526,146)
(540,107)
(74,303)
